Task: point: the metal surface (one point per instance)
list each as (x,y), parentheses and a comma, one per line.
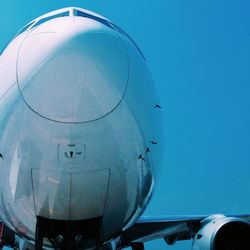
(74,81)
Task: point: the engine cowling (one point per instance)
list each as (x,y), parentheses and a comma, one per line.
(218,232)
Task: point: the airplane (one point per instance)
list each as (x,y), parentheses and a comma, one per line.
(81,143)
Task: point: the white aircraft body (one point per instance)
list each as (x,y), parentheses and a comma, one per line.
(80,143)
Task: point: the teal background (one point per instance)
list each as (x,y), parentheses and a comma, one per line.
(199,55)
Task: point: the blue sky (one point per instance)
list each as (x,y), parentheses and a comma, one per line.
(199,55)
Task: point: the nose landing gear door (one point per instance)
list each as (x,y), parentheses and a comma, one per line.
(51,192)
(70,196)
(88,194)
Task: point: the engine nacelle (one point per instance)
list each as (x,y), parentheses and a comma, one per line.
(221,233)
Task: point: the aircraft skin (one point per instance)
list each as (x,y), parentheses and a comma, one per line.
(78,126)
(80,143)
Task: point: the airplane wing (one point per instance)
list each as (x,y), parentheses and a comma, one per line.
(217,229)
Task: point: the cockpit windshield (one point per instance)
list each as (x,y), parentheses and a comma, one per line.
(96,18)
(40,21)
(79,13)
(45,19)
(26,27)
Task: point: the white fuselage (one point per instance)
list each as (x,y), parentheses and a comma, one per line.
(78,126)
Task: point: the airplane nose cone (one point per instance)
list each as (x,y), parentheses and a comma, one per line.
(78,79)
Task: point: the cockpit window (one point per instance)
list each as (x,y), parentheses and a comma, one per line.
(45,19)
(96,18)
(26,27)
